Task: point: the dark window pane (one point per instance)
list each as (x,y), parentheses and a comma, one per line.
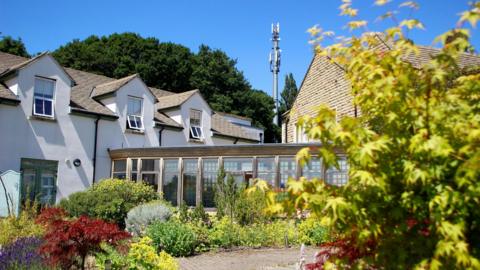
(170,180)
(151,179)
(119,165)
(210,171)
(47,107)
(39,106)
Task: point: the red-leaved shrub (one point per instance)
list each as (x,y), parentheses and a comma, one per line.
(68,242)
(343,249)
(50,215)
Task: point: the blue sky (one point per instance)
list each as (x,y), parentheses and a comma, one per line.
(240,27)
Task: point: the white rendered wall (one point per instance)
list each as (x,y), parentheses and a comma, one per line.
(67,138)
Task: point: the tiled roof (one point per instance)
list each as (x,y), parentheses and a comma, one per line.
(427,53)
(234,116)
(88,85)
(175,100)
(5,93)
(112,86)
(223,127)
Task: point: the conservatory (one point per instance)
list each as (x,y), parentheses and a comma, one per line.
(189,174)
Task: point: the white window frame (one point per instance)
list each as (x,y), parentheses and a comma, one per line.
(196,131)
(52,100)
(135,118)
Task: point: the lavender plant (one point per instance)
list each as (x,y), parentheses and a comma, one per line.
(22,254)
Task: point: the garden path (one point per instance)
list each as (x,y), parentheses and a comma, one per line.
(248,259)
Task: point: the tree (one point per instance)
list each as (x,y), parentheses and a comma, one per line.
(175,68)
(414,154)
(163,65)
(288,95)
(13,46)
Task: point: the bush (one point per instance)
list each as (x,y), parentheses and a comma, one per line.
(139,217)
(250,207)
(22,254)
(175,238)
(225,233)
(108,252)
(311,232)
(68,242)
(109,200)
(12,227)
(143,256)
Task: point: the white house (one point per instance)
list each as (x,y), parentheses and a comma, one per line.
(57,124)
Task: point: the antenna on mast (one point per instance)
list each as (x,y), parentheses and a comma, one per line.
(274,60)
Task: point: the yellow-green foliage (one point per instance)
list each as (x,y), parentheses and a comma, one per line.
(312,232)
(414,151)
(142,255)
(24,225)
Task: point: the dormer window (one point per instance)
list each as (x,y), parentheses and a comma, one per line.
(196,131)
(134,113)
(43,97)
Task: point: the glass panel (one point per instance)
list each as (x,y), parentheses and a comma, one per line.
(119,175)
(47,106)
(134,106)
(313,169)
(28,185)
(338,177)
(240,168)
(120,165)
(39,106)
(210,172)
(266,169)
(150,179)
(47,189)
(150,165)
(170,180)
(44,88)
(288,168)
(190,181)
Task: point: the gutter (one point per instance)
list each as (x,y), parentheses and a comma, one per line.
(95,149)
(160,131)
(9,101)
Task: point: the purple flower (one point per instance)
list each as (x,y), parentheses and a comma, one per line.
(21,254)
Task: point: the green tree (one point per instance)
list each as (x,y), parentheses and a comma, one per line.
(175,68)
(414,153)
(288,95)
(163,65)
(13,46)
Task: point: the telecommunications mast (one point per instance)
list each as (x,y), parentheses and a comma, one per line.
(275,66)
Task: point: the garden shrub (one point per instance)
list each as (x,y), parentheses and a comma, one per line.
(225,233)
(13,227)
(139,217)
(176,238)
(311,232)
(68,242)
(250,207)
(117,259)
(109,200)
(142,255)
(22,255)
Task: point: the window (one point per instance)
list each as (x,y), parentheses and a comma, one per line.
(196,131)
(240,168)
(134,170)
(39,180)
(288,169)
(134,113)
(210,172)
(150,169)
(43,97)
(119,169)
(266,169)
(170,180)
(339,176)
(313,169)
(190,181)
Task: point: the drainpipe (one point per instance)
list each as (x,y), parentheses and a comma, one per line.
(95,149)
(160,135)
